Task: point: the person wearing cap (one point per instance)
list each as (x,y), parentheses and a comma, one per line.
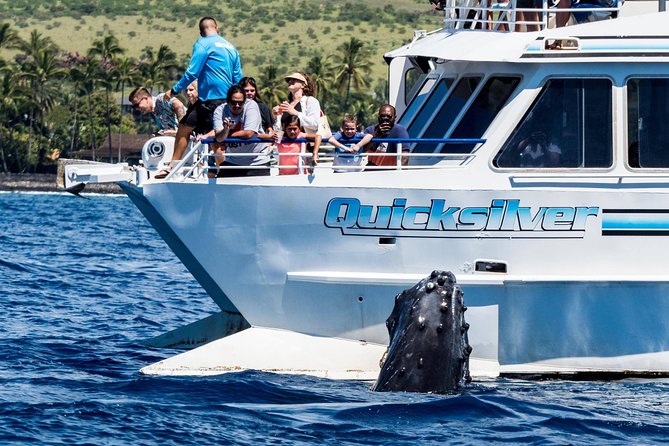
(216,65)
(301,102)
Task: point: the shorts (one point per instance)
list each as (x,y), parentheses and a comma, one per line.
(199,115)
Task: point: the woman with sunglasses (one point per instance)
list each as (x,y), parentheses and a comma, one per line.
(301,102)
(251,91)
(240,118)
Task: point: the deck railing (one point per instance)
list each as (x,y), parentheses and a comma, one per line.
(199,161)
(504,15)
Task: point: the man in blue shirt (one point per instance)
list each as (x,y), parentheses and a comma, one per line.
(387,128)
(216,65)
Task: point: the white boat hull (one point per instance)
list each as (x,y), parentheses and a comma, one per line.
(562,306)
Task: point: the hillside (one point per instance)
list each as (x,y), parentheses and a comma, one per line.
(284,33)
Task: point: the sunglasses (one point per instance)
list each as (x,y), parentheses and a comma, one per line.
(238,103)
(386,117)
(292,81)
(135,105)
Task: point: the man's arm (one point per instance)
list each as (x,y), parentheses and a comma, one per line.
(195,66)
(178,108)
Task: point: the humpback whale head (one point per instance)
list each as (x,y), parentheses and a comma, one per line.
(429,349)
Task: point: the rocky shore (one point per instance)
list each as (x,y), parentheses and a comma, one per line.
(46,182)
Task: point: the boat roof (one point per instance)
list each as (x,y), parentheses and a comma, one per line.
(643,37)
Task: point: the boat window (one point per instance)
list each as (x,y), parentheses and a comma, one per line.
(428,102)
(418,100)
(569,125)
(449,111)
(648,132)
(412,82)
(482,112)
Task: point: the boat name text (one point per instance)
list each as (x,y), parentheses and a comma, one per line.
(440,220)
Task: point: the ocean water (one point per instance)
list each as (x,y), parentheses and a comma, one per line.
(83,282)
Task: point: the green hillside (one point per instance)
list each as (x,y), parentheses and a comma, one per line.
(284,33)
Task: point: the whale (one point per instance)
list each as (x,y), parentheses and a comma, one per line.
(429,347)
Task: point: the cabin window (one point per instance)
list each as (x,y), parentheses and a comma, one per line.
(418,100)
(482,112)
(448,113)
(648,132)
(412,82)
(569,125)
(427,102)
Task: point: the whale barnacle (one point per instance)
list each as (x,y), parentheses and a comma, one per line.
(429,287)
(420,363)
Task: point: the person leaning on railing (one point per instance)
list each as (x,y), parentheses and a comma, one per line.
(384,154)
(240,118)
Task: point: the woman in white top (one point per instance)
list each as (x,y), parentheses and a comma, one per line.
(301,102)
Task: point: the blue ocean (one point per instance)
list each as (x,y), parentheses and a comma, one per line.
(84,281)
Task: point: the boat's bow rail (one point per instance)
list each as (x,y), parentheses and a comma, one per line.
(403,160)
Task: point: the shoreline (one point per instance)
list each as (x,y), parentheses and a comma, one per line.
(46,182)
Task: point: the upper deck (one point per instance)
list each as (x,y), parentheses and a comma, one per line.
(643,38)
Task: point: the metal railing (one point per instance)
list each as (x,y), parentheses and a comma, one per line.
(199,160)
(503,15)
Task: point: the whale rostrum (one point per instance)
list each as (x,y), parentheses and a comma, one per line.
(429,348)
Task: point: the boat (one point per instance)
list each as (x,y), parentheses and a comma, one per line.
(559,250)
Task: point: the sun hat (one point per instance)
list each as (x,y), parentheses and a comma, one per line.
(296,76)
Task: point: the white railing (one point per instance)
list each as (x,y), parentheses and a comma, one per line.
(198,162)
(504,15)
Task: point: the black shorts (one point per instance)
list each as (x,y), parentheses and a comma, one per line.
(199,115)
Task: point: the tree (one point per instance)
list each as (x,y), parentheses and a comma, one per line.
(36,51)
(158,68)
(126,72)
(107,49)
(9,39)
(12,101)
(272,87)
(352,68)
(86,76)
(321,73)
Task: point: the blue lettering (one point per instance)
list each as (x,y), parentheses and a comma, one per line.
(342,212)
(582,216)
(367,220)
(558,219)
(473,219)
(409,220)
(440,218)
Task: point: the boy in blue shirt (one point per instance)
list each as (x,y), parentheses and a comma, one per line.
(347,154)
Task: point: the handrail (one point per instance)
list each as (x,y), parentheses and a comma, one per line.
(353,140)
(202,163)
(499,14)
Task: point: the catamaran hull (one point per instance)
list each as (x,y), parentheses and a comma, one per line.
(555,292)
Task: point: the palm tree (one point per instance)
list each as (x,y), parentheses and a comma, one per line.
(320,71)
(86,76)
(158,68)
(9,110)
(352,67)
(9,39)
(44,72)
(126,72)
(107,49)
(272,86)
(36,51)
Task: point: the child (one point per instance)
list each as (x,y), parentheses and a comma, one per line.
(347,154)
(290,164)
